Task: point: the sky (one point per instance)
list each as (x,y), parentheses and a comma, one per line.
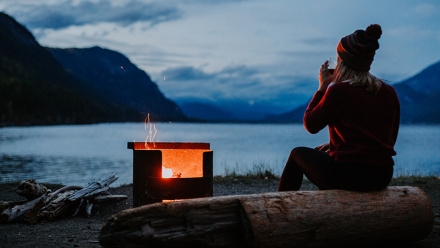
(261,53)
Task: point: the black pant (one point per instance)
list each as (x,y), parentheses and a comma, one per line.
(325,173)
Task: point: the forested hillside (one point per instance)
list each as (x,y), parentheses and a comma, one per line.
(36,89)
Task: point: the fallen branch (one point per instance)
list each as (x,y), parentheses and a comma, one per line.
(94,188)
(18,211)
(8,204)
(30,189)
(66,201)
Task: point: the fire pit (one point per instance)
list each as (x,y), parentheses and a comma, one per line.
(170,171)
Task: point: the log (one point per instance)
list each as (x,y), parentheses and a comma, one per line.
(18,211)
(8,204)
(30,209)
(58,206)
(339,218)
(332,218)
(94,188)
(39,210)
(30,189)
(46,206)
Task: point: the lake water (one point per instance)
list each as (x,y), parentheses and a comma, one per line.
(80,154)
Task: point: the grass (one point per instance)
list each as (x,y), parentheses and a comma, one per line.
(402,180)
(262,171)
(259,171)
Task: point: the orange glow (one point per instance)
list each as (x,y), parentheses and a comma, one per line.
(184,162)
(179,160)
(170,171)
(167,172)
(176,200)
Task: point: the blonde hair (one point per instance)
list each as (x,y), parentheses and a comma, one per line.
(345,74)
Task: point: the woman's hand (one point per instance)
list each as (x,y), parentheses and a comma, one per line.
(325,77)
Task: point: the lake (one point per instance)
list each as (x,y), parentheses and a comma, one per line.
(80,154)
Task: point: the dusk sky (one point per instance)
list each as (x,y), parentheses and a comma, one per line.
(256,51)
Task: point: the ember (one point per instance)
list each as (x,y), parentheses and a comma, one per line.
(167,172)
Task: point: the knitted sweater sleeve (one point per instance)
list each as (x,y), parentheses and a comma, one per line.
(397,121)
(324,108)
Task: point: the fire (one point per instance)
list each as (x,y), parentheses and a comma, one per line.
(187,162)
(151,127)
(170,170)
(167,172)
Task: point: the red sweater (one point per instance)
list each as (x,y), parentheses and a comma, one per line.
(362,126)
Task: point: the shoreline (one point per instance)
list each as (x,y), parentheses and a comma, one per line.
(82,231)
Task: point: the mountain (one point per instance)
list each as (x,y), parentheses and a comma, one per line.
(234,110)
(294,116)
(113,77)
(419,96)
(35,88)
(206,112)
(426,81)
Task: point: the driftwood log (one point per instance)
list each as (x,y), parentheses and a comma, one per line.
(30,189)
(66,201)
(333,218)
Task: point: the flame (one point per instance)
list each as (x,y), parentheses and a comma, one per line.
(167,172)
(151,127)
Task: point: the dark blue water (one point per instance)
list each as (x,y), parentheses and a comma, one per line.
(77,155)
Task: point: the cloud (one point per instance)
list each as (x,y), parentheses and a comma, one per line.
(63,14)
(186,73)
(319,41)
(238,71)
(275,47)
(426,9)
(248,84)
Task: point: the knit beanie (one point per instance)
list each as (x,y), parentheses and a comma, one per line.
(357,50)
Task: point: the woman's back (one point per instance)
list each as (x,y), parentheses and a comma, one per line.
(362,125)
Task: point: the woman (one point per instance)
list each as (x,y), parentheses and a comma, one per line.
(362,114)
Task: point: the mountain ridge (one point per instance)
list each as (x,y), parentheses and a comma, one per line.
(112,76)
(45,86)
(36,89)
(418,96)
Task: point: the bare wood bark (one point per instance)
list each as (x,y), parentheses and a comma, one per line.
(64,201)
(34,214)
(279,219)
(31,215)
(18,211)
(30,189)
(94,188)
(58,206)
(204,222)
(338,218)
(8,204)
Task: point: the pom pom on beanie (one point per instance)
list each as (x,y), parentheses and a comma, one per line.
(374,31)
(357,50)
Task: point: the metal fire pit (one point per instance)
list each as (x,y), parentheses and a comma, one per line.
(191,164)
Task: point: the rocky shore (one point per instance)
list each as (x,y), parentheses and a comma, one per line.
(82,231)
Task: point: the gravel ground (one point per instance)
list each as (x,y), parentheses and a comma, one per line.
(82,231)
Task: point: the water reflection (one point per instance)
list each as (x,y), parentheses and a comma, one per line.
(77,155)
(62,170)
